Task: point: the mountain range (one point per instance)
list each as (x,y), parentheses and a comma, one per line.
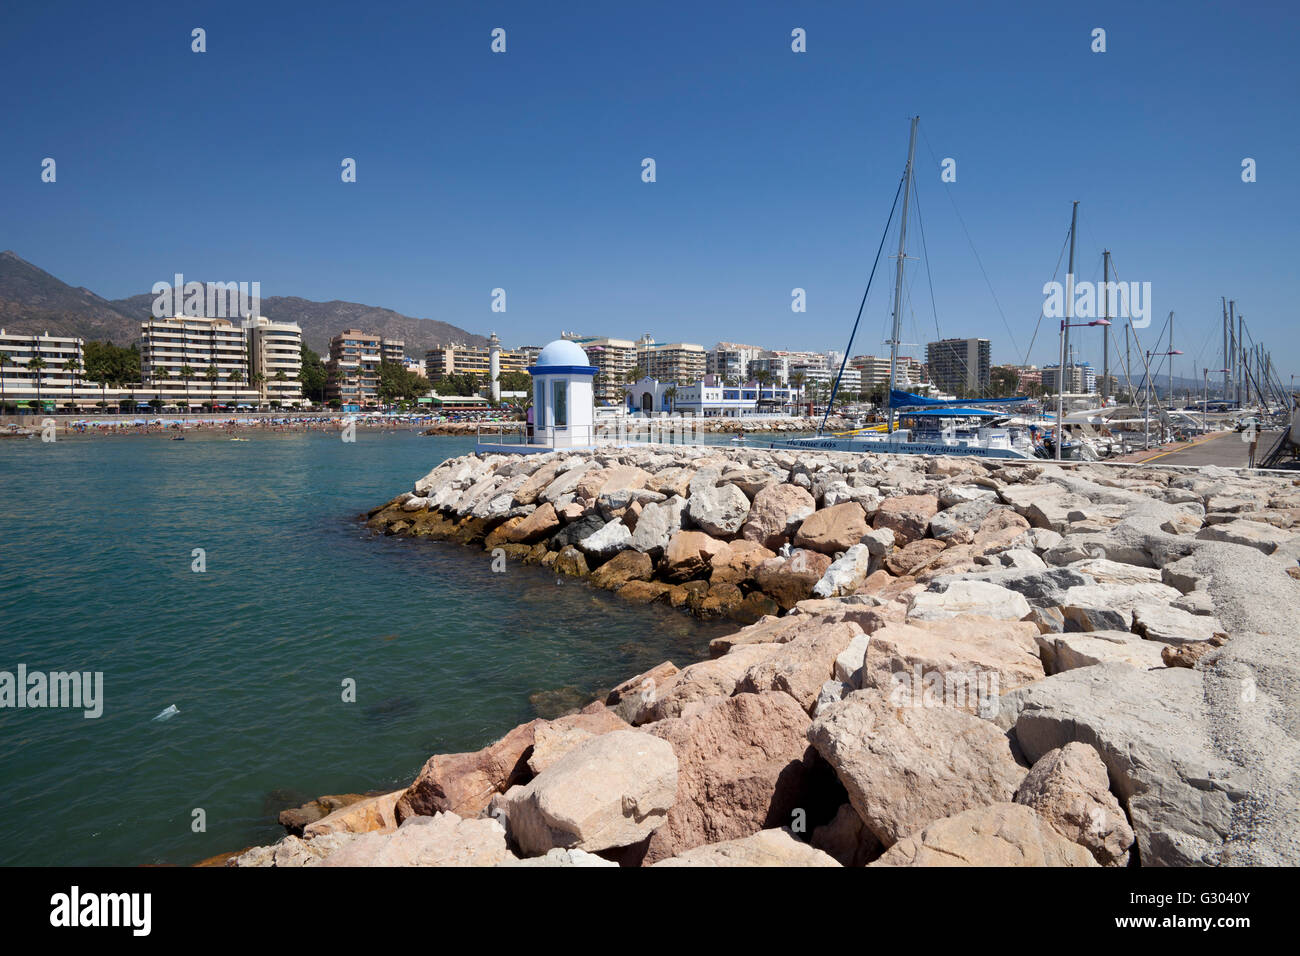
(33,301)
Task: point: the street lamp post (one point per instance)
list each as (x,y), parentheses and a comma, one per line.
(1060,381)
(1205,402)
(1146,439)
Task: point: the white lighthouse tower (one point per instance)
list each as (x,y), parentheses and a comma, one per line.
(494,366)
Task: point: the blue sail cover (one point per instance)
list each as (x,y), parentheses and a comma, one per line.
(901,399)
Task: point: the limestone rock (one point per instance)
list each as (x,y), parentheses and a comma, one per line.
(1251,534)
(555,738)
(847,839)
(464,783)
(1070,789)
(698,682)
(789,580)
(1064,652)
(965,662)
(1152,731)
(657,524)
(908,516)
(542,522)
(372,813)
(766,848)
(441,840)
(624,567)
(832,530)
(1001,834)
(560,857)
(608,541)
(968,597)
(801,666)
(743,763)
(1170,625)
(720,510)
(689,555)
(610,791)
(845,573)
(904,767)
(777,510)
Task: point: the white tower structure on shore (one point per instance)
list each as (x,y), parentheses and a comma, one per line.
(494,366)
(563,404)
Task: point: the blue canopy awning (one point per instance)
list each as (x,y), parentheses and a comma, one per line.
(901,399)
(954,413)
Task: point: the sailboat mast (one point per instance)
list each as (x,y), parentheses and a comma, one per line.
(898,280)
(1105,329)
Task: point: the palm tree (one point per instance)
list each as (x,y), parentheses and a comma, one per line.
(280,378)
(37,364)
(236,377)
(670,393)
(213,375)
(160,378)
(187,373)
(259,380)
(797,379)
(4,360)
(73,365)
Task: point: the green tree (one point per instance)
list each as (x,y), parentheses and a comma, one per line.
(213,375)
(37,365)
(313,375)
(4,360)
(187,373)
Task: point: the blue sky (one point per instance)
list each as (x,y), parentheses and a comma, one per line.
(775,170)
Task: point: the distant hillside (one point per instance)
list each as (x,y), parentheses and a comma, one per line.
(32,300)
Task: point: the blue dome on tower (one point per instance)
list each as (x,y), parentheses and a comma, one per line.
(562,352)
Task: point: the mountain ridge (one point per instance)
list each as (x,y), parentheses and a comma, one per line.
(34,301)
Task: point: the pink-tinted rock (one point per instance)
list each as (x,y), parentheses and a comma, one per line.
(833,530)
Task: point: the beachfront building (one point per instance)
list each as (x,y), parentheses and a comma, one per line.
(711,397)
(680,362)
(57,375)
(352,372)
(1080,379)
(779,364)
(393,350)
(614,359)
(444,360)
(274,359)
(729,361)
(960,366)
(192,360)
(823,378)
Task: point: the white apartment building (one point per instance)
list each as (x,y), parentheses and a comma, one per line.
(730,361)
(614,359)
(850,382)
(275,359)
(709,398)
(670,361)
(56,376)
(196,359)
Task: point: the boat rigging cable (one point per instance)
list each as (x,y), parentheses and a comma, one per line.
(849,350)
(971,242)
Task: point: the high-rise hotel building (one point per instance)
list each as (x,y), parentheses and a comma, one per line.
(217,360)
(275,359)
(353,368)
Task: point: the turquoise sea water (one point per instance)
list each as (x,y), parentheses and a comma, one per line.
(96,542)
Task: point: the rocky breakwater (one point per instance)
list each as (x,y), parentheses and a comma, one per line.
(999,664)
